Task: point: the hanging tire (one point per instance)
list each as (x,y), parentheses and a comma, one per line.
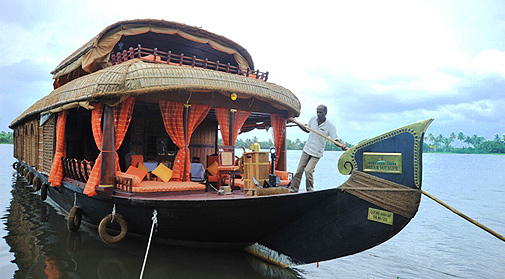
(29,178)
(43,192)
(74,219)
(102,229)
(15,165)
(37,182)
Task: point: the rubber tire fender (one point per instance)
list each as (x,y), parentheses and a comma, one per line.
(15,165)
(74,219)
(37,182)
(102,229)
(29,178)
(43,192)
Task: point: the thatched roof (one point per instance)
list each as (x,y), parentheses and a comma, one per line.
(94,55)
(138,77)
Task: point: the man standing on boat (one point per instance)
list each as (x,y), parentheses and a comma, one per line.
(314,147)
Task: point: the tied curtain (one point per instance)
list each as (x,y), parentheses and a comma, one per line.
(122,115)
(173,119)
(223,118)
(56,174)
(279,125)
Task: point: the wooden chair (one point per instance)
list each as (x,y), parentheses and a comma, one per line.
(209,177)
(226,155)
(227,165)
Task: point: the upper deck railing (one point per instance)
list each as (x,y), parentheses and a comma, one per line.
(182,60)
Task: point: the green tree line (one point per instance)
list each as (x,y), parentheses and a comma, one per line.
(469,144)
(291,144)
(5,137)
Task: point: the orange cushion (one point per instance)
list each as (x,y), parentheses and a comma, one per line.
(163,172)
(135,179)
(138,172)
(159,186)
(212,169)
(136,159)
(141,166)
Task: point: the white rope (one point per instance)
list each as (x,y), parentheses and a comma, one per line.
(155,221)
(113,213)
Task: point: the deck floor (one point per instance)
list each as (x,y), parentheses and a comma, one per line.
(183,195)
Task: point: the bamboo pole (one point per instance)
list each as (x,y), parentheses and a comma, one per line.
(497,235)
(320,134)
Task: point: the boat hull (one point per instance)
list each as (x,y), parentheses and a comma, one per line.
(306,227)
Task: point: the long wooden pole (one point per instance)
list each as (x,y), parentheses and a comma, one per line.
(320,134)
(497,235)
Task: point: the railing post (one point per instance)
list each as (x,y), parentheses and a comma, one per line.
(130,52)
(155,53)
(181,58)
(205,63)
(169,58)
(139,50)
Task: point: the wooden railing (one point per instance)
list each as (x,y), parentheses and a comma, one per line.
(182,60)
(123,183)
(77,169)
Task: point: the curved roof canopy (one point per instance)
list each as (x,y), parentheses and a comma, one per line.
(157,81)
(95,54)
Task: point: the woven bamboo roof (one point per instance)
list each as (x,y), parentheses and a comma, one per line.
(93,55)
(138,77)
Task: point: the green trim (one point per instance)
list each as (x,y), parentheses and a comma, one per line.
(347,161)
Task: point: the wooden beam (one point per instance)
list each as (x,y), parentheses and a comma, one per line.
(232,124)
(107,166)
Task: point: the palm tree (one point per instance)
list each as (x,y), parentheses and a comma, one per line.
(468,140)
(477,141)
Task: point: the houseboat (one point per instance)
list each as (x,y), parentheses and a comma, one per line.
(130,134)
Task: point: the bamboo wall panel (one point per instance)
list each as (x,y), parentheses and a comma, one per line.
(203,141)
(48,143)
(40,152)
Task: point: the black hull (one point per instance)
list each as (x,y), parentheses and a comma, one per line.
(302,228)
(307,227)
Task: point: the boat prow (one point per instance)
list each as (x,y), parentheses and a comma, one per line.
(378,200)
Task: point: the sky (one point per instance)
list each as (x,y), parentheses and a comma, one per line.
(377,65)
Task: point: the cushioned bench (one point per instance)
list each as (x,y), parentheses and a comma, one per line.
(125,183)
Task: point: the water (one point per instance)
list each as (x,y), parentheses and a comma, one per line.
(436,243)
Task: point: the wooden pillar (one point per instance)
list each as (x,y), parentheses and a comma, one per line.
(185,120)
(107,166)
(232,124)
(282,155)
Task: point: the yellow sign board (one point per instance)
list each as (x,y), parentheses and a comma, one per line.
(380,216)
(382,162)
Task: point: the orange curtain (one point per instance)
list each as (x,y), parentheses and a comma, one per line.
(173,116)
(279,125)
(223,118)
(122,118)
(96,127)
(56,174)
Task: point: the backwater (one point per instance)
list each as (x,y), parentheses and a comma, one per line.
(435,244)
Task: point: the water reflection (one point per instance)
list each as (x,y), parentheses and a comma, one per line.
(43,247)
